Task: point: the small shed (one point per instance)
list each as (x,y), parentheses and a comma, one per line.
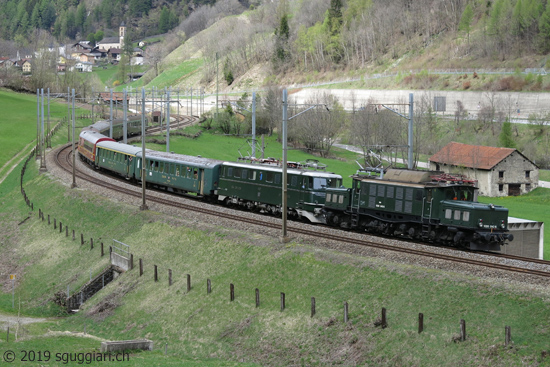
(499,171)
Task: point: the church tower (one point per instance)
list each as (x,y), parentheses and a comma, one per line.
(122,33)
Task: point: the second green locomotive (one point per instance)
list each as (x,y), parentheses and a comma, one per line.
(423,205)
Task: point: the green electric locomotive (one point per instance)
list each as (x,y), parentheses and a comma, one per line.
(425,205)
(258,187)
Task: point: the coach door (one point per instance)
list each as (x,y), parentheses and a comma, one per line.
(201,181)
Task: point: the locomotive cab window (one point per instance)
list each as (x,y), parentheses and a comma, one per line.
(319,183)
(269,176)
(466,216)
(457,215)
(252,175)
(329,197)
(294,181)
(448,213)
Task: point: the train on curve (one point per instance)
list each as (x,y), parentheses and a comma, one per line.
(424,205)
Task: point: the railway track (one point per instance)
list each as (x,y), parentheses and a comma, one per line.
(521,265)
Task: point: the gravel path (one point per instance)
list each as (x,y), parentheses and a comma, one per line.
(411,265)
(9,320)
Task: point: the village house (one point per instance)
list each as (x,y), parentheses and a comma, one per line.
(499,171)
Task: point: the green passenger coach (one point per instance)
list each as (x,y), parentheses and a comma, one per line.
(182,173)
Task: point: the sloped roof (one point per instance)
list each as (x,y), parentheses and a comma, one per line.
(471,156)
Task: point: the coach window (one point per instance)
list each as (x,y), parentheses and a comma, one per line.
(244,174)
(294,181)
(195,175)
(237,173)
(229,171)
(173,169)
(448,213)
(329,197)
(341,199)
(177,171)
(161,167)
(252,175)
(466,216)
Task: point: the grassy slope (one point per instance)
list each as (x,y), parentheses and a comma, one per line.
(18,122)
(200,326)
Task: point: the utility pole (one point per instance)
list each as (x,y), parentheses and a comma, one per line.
(42,145)
(73,185)
(143,160)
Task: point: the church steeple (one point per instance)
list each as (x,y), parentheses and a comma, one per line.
(122,33)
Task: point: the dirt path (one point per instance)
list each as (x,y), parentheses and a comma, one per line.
(11,321)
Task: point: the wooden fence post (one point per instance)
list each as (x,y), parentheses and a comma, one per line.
(208,286)
(49,220)
(66,231)
(60,227)
(156,274)
(507,335)
(131,261)
(74,238)
(188,283)
(54,223)
(462,330)
(102,252)
(312,306)
(420,323)
(169,277)
(384,320)
(257,297)
(231,292)
(81,238)
(283,303)
(140,267)
(346,312)
(91,243)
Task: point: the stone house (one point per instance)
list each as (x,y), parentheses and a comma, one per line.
(499,171)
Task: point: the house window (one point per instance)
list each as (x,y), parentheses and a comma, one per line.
(527,174)
(437,167)
(501,187)
(500,174)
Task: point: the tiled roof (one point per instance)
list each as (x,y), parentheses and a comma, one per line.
(471,156)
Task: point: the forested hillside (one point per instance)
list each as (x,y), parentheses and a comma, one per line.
(77,19)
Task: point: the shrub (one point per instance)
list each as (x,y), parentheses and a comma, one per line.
(466,85)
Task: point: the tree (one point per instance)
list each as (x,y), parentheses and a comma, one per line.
(505,138)
(91,39)
(282,35)
(164,21)
(466,21)
(318,128)
(544,31)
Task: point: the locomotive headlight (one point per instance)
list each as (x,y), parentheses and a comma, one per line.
(502,224)
(480,222)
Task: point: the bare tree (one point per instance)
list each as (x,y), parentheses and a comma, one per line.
(318,128)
